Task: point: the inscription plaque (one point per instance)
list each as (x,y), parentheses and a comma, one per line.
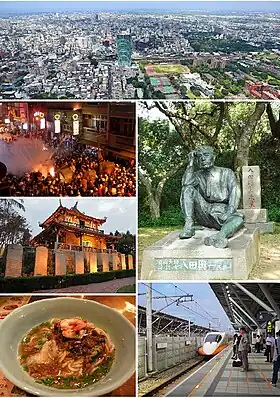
(181,264)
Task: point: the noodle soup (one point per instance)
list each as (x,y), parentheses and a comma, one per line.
(66,353)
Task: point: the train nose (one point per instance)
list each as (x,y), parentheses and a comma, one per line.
(209,348)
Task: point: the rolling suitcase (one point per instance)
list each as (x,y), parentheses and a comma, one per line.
(237,363)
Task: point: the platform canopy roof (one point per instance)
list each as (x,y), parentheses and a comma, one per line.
(249,304)
(166,324)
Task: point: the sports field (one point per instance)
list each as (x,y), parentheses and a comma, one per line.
(166,68)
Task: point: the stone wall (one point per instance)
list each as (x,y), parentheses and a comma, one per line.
(66,261)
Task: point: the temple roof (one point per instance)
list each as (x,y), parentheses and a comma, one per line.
(51,229)
(73,211)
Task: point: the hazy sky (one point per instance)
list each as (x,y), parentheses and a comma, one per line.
(8,7)
(120,213)
(202,294)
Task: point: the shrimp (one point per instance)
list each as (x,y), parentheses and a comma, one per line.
(72,327)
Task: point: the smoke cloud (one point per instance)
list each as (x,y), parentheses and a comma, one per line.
(26,155)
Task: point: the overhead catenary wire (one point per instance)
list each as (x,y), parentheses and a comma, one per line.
(164,296)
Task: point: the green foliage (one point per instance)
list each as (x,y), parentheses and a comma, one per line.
(127,244)
(161,148)
(155,140)
(127,289)
(33,283)
(274,214)
(169,217)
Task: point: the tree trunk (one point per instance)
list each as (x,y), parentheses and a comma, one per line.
(153,197)
(155,194)
(245,136)
(154,205)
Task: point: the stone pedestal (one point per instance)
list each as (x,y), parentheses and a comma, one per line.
(60,264)
(79,263)
(105,262)
(115,261)
(130,261)
(41,261)
(174,259)
(92,262)
(14,260)
(255,216)
(123,263)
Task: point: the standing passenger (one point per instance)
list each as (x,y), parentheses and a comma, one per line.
(276,359)
(244,349)
(269,345)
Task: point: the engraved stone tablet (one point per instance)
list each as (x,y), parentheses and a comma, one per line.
(251,187)
(79,263)
(14,260)
(41,260)
(60,264)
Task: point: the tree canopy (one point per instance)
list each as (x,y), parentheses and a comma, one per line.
(237,131)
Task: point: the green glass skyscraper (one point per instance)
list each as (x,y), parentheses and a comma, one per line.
(124,49)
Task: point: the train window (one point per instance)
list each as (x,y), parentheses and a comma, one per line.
(218,338)
(211,338)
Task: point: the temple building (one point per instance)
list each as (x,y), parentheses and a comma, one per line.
(70,229)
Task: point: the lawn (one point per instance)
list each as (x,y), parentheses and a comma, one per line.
(269,267)
(148,236)
(171,68)
(127,289)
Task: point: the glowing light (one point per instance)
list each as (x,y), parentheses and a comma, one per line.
(7,121)
(75,117)
(57,126)
(51,171)
(75,127)
(43,123)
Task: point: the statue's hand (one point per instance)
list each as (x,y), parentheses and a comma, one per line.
(191,156)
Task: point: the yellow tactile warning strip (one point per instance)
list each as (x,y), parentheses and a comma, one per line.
(263,375)
(206,376)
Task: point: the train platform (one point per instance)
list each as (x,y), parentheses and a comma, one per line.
(217,378)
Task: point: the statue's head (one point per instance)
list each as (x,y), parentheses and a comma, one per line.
(205,157)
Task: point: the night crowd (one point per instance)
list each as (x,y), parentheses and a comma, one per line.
(88,175)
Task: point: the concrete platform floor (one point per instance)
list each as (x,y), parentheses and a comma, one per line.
(217,378)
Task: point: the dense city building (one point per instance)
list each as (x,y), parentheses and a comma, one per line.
(109,55)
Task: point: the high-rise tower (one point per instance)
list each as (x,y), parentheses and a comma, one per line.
(124,48)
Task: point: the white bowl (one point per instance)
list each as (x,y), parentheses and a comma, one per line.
(21,320)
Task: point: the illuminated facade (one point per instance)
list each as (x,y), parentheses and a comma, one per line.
(70,229)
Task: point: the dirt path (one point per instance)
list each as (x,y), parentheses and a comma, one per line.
(103,287)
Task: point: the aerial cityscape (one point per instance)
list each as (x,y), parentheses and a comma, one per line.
(113,54)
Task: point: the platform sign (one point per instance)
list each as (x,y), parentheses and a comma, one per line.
(269,327)
(161,346)
(264,316)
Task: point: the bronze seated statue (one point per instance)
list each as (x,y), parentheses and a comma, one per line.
(210,196)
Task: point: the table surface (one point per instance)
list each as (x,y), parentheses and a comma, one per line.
(124,304)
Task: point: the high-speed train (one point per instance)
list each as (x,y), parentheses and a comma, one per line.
(214,342)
